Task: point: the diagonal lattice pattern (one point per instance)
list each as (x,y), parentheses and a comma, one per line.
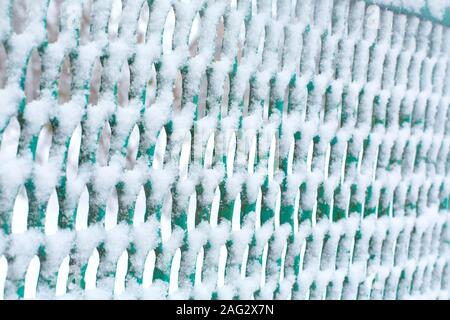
(223,149)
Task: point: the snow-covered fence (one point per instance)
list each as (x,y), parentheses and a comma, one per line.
(224,149)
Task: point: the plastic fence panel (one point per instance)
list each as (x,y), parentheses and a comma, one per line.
(221,149)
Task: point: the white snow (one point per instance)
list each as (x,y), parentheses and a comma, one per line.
(286,107)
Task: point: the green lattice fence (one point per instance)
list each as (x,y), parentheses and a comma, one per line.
(224,149)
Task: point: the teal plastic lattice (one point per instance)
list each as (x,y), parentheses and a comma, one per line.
(223,149)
